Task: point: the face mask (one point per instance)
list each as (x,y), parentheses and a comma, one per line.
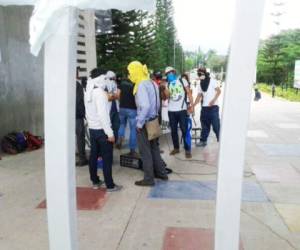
(171,77)
(202,77)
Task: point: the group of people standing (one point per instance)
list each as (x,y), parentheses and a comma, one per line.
(109,101)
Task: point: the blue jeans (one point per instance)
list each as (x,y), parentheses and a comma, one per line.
(209,117)
(175,118)
(101,146)
(130,116)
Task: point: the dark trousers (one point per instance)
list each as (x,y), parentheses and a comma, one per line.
(210,117)
(101,146)
(80,138)
(150,155)
(175,118)
(273,92)
(115,123)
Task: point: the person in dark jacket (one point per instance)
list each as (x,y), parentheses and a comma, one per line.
(80,129)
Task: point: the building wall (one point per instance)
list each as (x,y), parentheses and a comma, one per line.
(86,42)
(21,74)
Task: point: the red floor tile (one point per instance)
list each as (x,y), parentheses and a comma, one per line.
(87,199)
(189,239)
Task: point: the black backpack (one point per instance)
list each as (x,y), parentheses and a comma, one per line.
(14,143)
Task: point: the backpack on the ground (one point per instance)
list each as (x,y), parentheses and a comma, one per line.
(17,142)
(21,142)
(13,143)
(33,142)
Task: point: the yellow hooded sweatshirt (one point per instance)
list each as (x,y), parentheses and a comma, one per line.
(137,73)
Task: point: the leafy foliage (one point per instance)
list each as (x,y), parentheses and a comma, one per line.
(132,38)
(137,35)
(286,93)
(216,63)
(276,57)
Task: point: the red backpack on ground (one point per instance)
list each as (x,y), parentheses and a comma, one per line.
(33,142)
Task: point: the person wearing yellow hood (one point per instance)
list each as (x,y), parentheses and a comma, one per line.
(147,100)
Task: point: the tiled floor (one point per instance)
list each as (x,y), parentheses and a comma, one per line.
(176,215)
(284,174)
(189,239)
(87,199)
(280,149)
(202,190)
(291,215)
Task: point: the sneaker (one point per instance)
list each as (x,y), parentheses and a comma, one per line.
(174,152)
(144,183)
(188,154)
(114,189)
(201,144)
(98,185)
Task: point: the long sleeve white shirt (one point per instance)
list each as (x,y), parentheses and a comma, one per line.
(97,111)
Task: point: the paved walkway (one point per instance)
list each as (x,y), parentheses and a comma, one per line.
(180,213)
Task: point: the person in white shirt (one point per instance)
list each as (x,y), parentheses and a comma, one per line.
(101,134)
(208,94)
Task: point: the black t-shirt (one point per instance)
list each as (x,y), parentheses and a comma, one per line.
(127,99)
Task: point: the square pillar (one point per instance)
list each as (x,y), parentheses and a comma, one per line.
(59,77)
(236,111)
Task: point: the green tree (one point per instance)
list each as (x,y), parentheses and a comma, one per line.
(131,38)
(136,35)
(216,63)
(166,42)
(160,52)
(276,57)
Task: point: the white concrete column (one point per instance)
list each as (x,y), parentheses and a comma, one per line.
(59,75)
(236,111)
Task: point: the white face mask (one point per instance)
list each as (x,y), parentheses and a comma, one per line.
(202,77)
(101,82)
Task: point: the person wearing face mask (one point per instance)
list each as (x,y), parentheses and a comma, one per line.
(208,94)
(101,134)
(180,104)
(147,101)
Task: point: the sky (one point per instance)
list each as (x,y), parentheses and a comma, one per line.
(208,23)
